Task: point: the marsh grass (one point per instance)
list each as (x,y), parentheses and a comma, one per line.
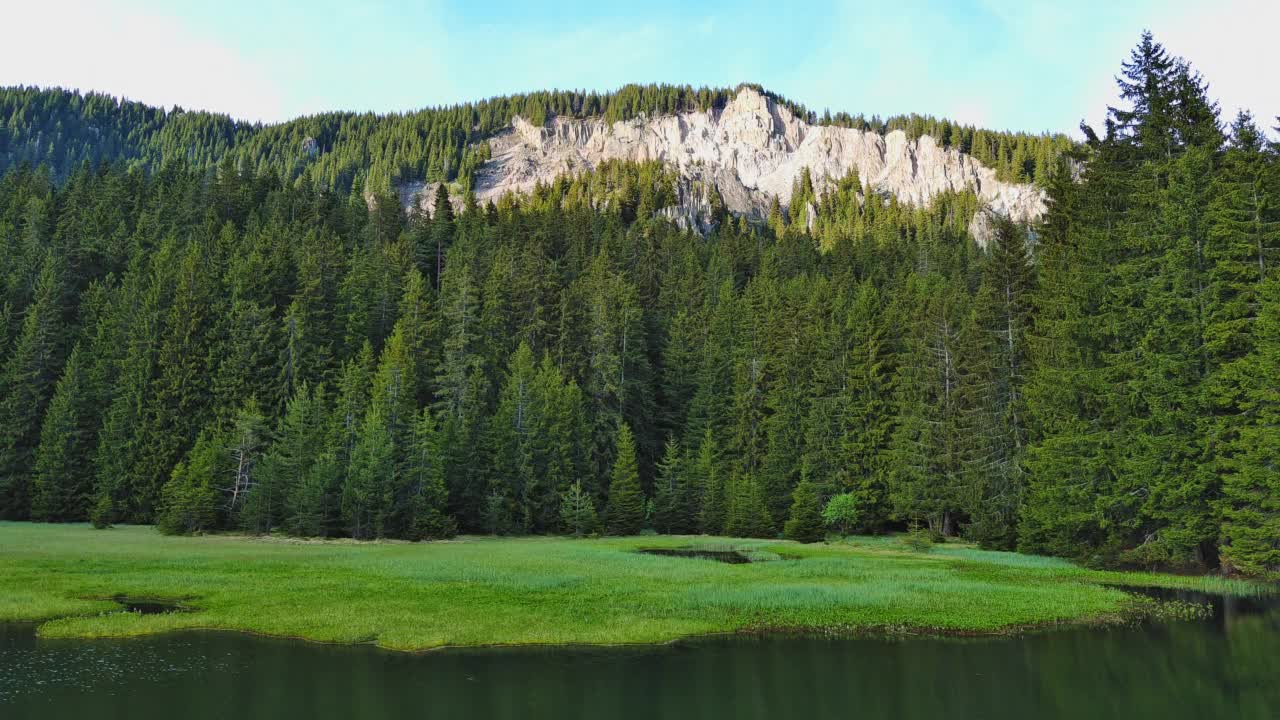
(490,591)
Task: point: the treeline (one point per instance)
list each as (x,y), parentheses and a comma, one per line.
(230,349)
(1153,393)
(342,152)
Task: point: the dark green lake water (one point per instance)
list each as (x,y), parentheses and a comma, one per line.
(1227,667)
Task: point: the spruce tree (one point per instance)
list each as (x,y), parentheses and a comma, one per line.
(179,405)
(707,479)
(747,514)
(510,432)
(421,491)
(624,513)
(1251,489)
(804,524)
(675,499)
(371,472)
(308,506)
(287,466)
(933,449)
(190,501)
(577,510)
(63,480)
(29,376)
(132,331)
(553,455)
(866,409)
(1002,314)
(243,441)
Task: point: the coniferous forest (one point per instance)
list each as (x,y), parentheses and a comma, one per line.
(213,326)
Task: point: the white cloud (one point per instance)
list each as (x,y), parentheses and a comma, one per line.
(145,56)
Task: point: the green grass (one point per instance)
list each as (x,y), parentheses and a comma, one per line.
(482,591)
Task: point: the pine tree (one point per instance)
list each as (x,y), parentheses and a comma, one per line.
(308,505)
(706,478)
(675,498)
(577,510)
(624,513)
(29,376)
(416,501)
(63,481)
(553,454)
(511,428)
(243,441)
(287,466)
(190,500)
(933,446)
(1002,312)
(747,514)
(371,472)
(805,521)
(178,407)
(1251,489)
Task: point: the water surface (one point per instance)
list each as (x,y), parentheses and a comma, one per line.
(1226,667)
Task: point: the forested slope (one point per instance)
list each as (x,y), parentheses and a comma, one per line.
(365,151)
(207,346)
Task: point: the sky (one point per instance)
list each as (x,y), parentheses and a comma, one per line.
(1004,64)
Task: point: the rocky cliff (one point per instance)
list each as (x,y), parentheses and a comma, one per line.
(752,150)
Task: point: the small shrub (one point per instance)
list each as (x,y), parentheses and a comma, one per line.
(577,511)
(918,540)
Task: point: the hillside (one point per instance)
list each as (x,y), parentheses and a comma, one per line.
(382,153)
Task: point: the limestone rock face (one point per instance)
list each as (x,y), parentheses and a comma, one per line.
(751,150)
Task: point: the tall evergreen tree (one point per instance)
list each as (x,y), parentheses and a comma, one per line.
(624,514)
(63,480)
(1251,490)
(804,524)
(178,406)
(675,497)
(283,494)
(371,473)
(29,376)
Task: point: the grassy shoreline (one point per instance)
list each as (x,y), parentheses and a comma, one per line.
(540,591)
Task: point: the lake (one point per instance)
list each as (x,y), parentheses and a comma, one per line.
(1225,667)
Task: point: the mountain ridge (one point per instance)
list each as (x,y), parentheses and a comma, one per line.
(342,151)
(752,151)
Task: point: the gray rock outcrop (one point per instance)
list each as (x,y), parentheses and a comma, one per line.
(752,150)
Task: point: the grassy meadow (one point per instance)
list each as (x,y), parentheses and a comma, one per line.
(543,590)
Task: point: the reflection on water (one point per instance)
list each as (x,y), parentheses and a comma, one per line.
(1227,667)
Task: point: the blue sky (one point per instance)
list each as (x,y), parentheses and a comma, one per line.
(999,63)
